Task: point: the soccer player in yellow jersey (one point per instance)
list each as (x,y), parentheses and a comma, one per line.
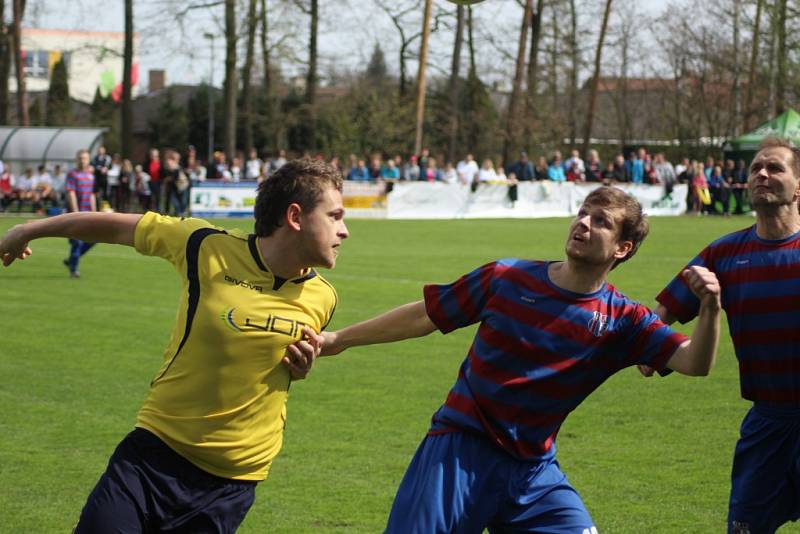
(214,416)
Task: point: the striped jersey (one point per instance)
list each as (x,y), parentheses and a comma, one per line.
(538,352)
(219,399)
(760,282)
(82,184)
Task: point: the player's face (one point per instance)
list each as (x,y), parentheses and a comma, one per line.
(772,180)
(594,236)
(324,230)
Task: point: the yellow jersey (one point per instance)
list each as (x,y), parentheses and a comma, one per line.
(219,399)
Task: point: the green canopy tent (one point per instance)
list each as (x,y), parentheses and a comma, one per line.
(785,125)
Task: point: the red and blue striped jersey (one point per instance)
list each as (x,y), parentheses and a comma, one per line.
(538,352)
(760,282)
(82,183)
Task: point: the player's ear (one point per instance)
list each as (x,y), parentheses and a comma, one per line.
(293,215)
(623,249)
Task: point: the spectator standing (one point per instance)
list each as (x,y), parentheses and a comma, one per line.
(60,184)
(555,172)
(253,167)
(411,170)
(449,174)
(180,185)
(278,162)
(621,169)
(522,169)
(359,173)
(720,190)
(467,169)
(594,167)
(665,174)
(390,171)
(739,187)
(101,164)
(236,170)
(487,174)
(143,191)
(540,170)
(80,197)
(26,189)
(575,164)
(114,172)
(153,170)
(127,177)
(7,191)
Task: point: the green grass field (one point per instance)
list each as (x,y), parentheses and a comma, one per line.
(76,357)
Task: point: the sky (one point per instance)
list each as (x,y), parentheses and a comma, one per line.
(349,30)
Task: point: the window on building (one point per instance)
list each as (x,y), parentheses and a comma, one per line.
(37,63)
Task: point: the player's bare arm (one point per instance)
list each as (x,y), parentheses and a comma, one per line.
(697,357)
(404,322)
(112,228)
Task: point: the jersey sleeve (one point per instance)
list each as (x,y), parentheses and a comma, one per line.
(648,340)
(452,306)
(166,237)
(677,298)
(70,184)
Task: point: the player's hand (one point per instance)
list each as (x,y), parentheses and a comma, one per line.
(14,246)
(646,370)
(300,355)
(705,285)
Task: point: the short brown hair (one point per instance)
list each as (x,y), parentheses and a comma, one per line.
(780,142)
(634,222)
(300,181)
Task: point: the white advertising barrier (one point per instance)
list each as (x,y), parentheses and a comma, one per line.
(421,200)
(238,199)
(651,197)
(223,200)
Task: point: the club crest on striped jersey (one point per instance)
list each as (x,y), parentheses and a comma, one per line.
(598,324)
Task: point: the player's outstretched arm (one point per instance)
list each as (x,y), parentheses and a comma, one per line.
(667,318)
(114,228)
(697,357)
(407,321)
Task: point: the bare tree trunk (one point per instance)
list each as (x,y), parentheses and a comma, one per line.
(126,130)
(751,75)
(471,42)
(595,80)
(455,83)
(22,98)
(573,73)
(5,64)
(311,79)
(247,72)
(533,69)
(271,112)
(423,60)
(230,80)
(554,61)
(771,64)
(780,81)
(511,140)
(737,92)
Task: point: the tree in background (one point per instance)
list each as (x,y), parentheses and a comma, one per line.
(105,112)
(127,81)
(59,112)
(5,63)
(169,125)
(22,99)
(230,86)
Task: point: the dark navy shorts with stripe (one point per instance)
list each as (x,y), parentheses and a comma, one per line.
(765,480)
(148,487)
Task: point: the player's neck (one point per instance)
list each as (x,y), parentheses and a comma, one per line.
(280,256)
(578,277)
(777,223)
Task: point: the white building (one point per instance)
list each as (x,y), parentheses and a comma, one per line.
(94,59)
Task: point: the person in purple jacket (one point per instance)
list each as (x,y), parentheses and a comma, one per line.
(550,333)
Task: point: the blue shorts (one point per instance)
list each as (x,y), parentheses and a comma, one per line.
(148,487)
(462,483)
(765,481)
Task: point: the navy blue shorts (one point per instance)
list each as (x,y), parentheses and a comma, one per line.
(148,487)
(461,483)
(765,481)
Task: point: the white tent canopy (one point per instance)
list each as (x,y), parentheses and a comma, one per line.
(21,147)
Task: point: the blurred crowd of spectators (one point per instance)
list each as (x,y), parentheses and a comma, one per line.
(164,180)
